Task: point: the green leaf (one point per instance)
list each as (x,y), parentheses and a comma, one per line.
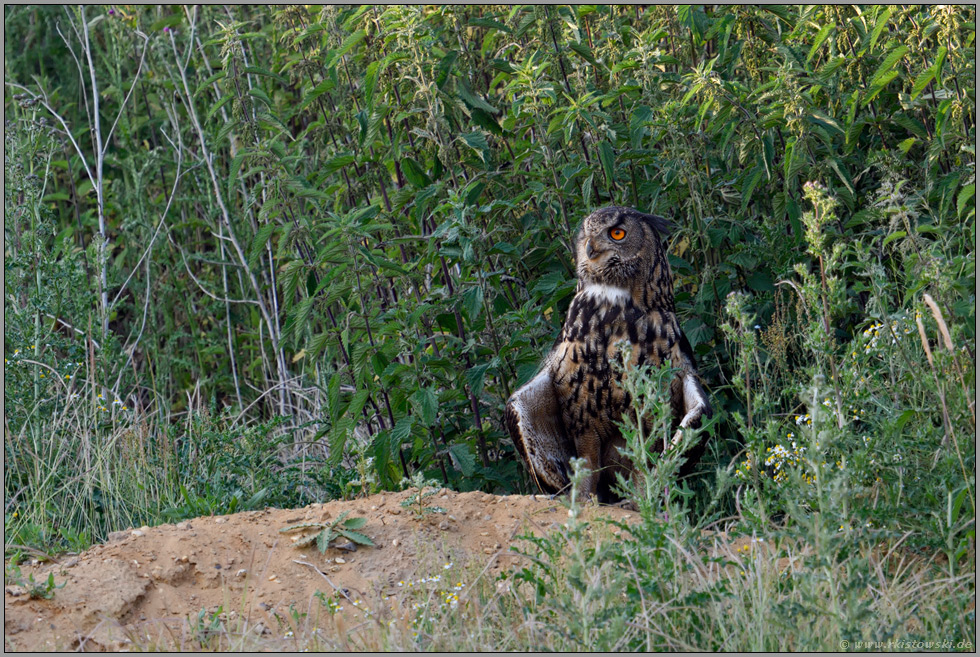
(638,121)
(489,23)
(485,121)
(354,523)
(370,84)
(444,67)
(890,61)
(760,281)
(306,541)
(819,39)
(234,168)
(323,540)
(256,70)
(426,405)
(349,43)
(608,162)
(478,142)
(414,173)
(334,164)
(878,86)
(898,234)
(356,537)
(965,196)
(822,119)
(922,81)
(302,525)
(357,403)
(173,20)
(463,459)
(402,431)
(474,101)
(224,100)
(475,375)
(879,26)
(316,92)
(262,236)
(583,51)
(473,302)
(903,419)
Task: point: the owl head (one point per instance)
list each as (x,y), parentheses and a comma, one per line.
(618,245)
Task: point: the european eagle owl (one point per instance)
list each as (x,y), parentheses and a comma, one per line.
(571,407)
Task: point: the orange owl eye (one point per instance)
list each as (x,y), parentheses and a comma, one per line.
(617,234)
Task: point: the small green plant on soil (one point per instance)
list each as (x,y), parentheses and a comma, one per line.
(43,589)
(341,527)
(208,628)
(416,501)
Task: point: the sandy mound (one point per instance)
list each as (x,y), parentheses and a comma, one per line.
(162,587)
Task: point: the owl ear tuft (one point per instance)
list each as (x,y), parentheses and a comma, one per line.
(660,225)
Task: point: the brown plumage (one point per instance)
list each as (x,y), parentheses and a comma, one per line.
(571,407)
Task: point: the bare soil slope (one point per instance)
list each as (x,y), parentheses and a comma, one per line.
(147,587)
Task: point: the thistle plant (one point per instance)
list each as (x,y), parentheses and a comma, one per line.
(416,501)
(341,527)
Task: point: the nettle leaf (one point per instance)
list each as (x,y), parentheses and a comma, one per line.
(370,83)
(638,120)
(473,100)
(583,51)
(922,81)
(401,433)
(489,23)
(965,196)
(444,68)
(348,44)
(819,39)
(426,405)
(478,142)
(334,164)
(463,459)
(890,61)
(879,26)
(262,236)
(608,158)
(414,173)
(473,302)
(486,121)
(475,376)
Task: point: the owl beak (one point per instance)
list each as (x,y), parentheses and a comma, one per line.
(589,250)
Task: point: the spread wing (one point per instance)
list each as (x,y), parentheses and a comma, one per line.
(533,418)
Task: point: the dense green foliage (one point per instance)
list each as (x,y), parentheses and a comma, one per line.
(262,255)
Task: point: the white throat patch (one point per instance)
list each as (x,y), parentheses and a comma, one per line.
(609,293)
